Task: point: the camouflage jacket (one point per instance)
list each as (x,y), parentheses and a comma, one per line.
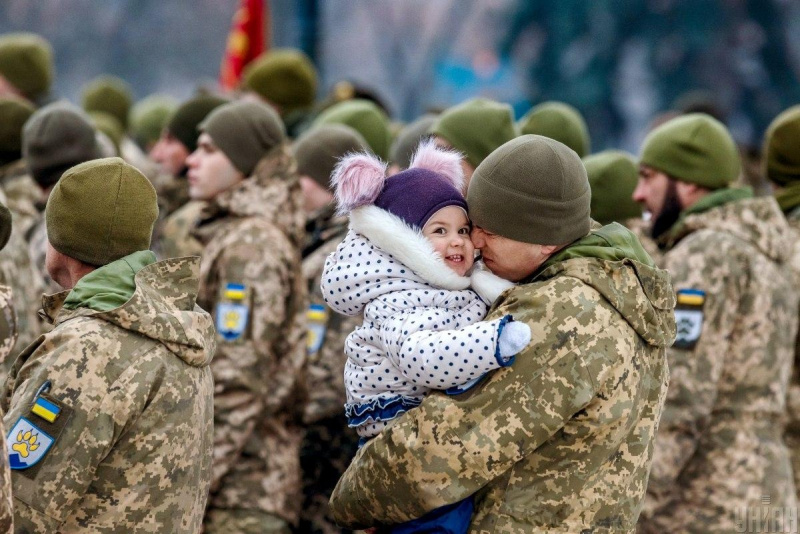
(792,436)
(176,239)
(37,248)
(173,193)
(720,449)
(251,280)
(22,194)
(641,229)
(125,439)
(327,329)
(8,337)
(18,272)
(562,440)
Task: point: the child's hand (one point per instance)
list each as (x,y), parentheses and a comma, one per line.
(514,337)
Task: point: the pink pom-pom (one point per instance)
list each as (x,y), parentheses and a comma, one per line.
(445,162)
(358,180)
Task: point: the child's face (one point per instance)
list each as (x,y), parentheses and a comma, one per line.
(448,231)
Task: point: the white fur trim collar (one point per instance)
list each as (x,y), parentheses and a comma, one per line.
(407,245)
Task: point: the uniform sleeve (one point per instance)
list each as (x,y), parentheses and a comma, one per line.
(451,446)
(97,419)
(249,380)
(446,358)
(694,371)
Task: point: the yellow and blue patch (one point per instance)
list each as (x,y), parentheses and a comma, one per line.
(27,444)
(46,409)
(232,311)
(689,317)
(317,319)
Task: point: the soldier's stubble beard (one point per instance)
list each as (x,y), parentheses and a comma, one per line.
(670,212)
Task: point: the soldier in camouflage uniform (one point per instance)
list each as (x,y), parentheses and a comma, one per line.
(178,140)
(720,453)
(782,168)
(110,414)
(8,337)
(55,138)
(329,444)
(251,281)
(20,193)
(612,177)
(561,440)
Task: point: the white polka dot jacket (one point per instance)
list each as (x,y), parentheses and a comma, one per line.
(422,327)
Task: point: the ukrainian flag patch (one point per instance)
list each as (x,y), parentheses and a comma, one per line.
(234,291)
(46,409)
(691,297)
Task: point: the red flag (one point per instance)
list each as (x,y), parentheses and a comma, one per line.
(245,42)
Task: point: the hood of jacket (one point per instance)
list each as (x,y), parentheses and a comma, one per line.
(273,193)
(612,261)
(153,299)
(379,255)
(758,221)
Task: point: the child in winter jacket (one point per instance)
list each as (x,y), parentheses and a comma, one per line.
(406,264)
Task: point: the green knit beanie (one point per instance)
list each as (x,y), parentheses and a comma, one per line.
(13,114)
(476,128)
(366,118)
(26,61)
(101,211)
(532,189)
(318,150)
(109,126)
(284,77)
(110,95)
(694,148)
(245,132)
(184,122)
(148,117)
(558,121)
(612,177)
(782,148)
(55,138)
(409,138)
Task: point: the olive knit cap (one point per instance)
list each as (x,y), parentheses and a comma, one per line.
(558,121)
(182,125)
(318,151)
(111,95)
(284,77)
(532,189)
(613,176)
(14,112)
(782,148)
(109,126)
(55,138)
(694,148)
(407,141)
(245,132)
(148,117)
(366,118)
(101,211)
(476,128)
(26,61)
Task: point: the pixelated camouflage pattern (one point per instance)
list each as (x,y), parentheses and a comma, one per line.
(329,444)
(37,248)
(561,441)
(176,239)
(135,455)
(18,272)
(641,229)
(22,194)
(221,521)
(252,235)
(172,193)
(792,435)
(8,337)
(719,449)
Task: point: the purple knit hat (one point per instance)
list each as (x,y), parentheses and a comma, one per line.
(415,195)
(432,182)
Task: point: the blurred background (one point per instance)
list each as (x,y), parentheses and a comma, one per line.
(620,62)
